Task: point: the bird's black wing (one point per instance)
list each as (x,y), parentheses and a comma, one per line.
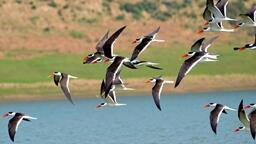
(253,123)
(141,47)
(196,47)
(188,65)
(14,124)
(64,84)
(221,5)
(156,92)
(215,116)
(101,42)
(108,45)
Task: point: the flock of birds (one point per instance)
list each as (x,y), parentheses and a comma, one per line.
(214,15)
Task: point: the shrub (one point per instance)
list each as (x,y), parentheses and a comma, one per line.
(162,16)
(52,4)
(76,34)
(120,17)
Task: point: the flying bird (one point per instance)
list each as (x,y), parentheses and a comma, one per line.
(207,14)
(249,18)
(15,121)
(112,72)
(219,11)
(199,46)
(99,54)
(63,80)
(110,100)
(109,44)
(157,89)
(144,42)
(119,83)
(216,113)
(247,46)
(215,27)
(252,119)
(200,55)
(243,118)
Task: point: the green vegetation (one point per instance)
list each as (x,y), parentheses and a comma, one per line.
(37,69)
(76,34)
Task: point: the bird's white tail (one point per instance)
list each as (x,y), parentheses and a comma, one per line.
(168,82)
(118,104)
(228,108)
(156,40)
(29,117)
(70,76)
(210,60)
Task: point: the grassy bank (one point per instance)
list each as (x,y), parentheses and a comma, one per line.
(36,69)
(26,77)
(90,88)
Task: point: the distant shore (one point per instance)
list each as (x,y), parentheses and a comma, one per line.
(90,88)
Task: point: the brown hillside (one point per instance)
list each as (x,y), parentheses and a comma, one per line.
(72,26)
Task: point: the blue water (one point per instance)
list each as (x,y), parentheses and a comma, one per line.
(181,121)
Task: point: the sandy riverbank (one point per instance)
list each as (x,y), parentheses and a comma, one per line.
(90,88)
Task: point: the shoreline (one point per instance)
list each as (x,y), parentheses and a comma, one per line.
(81,89)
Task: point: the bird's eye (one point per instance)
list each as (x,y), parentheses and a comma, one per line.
(211,103)
(251,104)
(90,55)
(190,52)
(99,60)
(241,127)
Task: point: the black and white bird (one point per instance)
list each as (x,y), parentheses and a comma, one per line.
(252,119)
(119,83)
(157,89)
(242,116)
(196,57)
(201,45)
(143,43)
(112,72)
(109,44)
(110,100)
(207,14)
(63,80)
(99,54)
(249,18)
(219,11)
(15,121)
(216,113)
(247,46)
(215,27)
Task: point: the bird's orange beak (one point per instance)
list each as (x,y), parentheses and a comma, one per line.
(134,42)
(206,23)
(184,55)
(94,62)
(98,106)
(199,31)
(236,130)
(5,115)
(247,107)
(242,49)
(206,105)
